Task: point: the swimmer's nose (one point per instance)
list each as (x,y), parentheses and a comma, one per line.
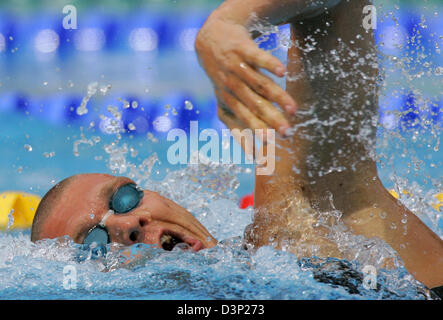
(127,229)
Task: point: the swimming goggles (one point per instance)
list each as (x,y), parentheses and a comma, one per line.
(125,199)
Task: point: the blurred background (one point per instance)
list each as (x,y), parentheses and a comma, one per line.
(138,56)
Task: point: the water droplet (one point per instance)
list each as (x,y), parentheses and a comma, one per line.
(126,104)
(151,137)
(114,111)
(49,154)
(133,151)
(188,105)
(92,88)
(105,89)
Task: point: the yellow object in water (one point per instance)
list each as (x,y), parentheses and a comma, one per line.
(17,209)
(438,196)
(395,194)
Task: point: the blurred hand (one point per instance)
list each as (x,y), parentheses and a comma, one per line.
(245,96)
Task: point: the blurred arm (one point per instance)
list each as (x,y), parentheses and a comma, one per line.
(273,11)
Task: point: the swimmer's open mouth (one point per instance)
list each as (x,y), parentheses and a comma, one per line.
(169,240)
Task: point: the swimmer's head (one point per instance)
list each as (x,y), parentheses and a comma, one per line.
(77,205)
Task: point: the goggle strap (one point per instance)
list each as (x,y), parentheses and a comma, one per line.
(106,216)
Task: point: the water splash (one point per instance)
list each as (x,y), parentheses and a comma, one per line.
(228,271)
(10,219)
(92,90)
(406,61)
(83,140)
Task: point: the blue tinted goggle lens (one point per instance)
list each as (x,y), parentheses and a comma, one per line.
(124,200)
(99,235)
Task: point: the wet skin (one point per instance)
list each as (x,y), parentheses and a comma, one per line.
(85,202)
(332,100)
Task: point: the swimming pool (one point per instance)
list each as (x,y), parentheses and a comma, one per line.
(38,271)
(39,149)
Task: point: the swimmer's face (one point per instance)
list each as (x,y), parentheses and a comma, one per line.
(85,201)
